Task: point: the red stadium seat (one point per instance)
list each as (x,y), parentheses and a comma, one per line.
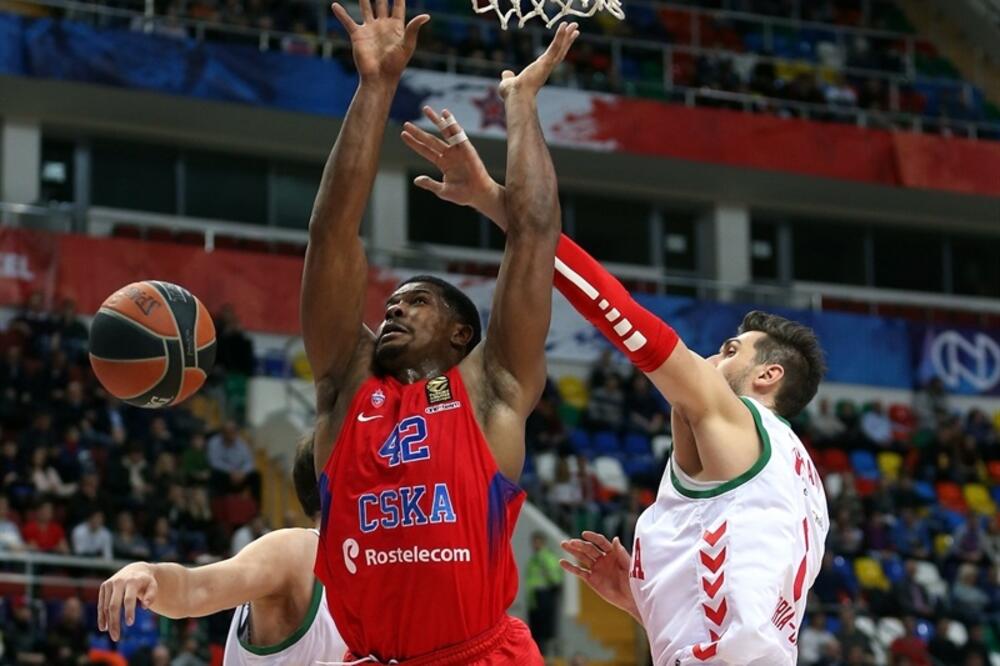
(951,497)
(52,591)
(994,470)
(835,460)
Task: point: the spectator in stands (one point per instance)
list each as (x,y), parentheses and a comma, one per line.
(941,647)
(196,517)
(968,601)
(543,581)
(824,425)
(845,536)
(34,323)
(232,463)
(976,646)
(164,546)
(910,535)
(40,434)
(979,428)
(643,411)
(930,405)
(235,354)
(91,538)
(813,638)
(10,535)
(43,533)
(160,656)
(16,385)
(67,643)
(245,535)
(73,409)
(161,439)
(165,473)
(876,427)
(23,638)
(910,646)
(606,409)
(969,542)
(71,333)
(129,477)
(603,367)
(14,474)
(565,496)
(194,461)
(89,497)
(878,536)
(991,540)
(128,543)
(189,654)
(849,636)
(45,478)
(910,596)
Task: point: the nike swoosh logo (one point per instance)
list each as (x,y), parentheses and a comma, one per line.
(363,418)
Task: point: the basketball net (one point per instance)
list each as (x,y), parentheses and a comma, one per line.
(549,11)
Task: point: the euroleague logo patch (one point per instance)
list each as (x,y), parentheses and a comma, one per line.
(438,390)
(378,398)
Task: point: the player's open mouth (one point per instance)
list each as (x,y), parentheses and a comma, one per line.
(390,330)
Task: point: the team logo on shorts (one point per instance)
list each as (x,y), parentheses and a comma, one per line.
(438,390)
(378,398)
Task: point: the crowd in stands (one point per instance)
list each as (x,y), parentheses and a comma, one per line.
(891,76)
(913,553)
(84,474)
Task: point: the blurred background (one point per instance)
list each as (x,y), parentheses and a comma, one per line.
(836,161)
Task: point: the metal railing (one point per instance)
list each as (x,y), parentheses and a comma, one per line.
(618,47)
(34,565)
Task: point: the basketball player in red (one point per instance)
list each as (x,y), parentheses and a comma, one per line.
(420,426)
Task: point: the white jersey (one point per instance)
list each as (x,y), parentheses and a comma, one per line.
(316,639)
(720,572)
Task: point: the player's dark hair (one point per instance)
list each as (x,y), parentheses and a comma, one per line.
(796,349)
(463,307)
(304,475)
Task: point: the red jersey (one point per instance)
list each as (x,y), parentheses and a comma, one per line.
(417,519)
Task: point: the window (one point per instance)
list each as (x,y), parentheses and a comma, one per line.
(293,193)
(134,175)
(613,229)
(764,250)
(908,259)
(824,252)
(680,242)
(435,221)
(56,173)
(975,266)
(225,187)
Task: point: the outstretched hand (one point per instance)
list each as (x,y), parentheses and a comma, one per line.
(604,566)
(464,179)
(135,583)
(533,77)
(383,43)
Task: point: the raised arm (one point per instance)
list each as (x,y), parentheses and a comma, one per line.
(726,440)
(336,270)
(265,568)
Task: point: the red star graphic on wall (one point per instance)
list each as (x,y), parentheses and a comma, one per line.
(492,109)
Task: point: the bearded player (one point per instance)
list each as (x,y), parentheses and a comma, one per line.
(723,560)
(420,426)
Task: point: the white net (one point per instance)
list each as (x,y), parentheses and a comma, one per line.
(549,11)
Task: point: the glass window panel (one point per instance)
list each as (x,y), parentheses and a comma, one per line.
(432,220)
(613,229)
(908,259)
(134,175)
(825,252)
(975,266)
(680,242)
(294,190)
(225,187)
(764,250)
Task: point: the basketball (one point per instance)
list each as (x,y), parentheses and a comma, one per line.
(152,344)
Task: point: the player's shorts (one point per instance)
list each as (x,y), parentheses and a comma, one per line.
(509,643)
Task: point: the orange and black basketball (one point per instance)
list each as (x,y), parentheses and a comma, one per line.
(152,344)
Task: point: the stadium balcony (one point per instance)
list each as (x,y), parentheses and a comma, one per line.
(845,65)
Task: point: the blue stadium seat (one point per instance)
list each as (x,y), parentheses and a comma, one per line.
(864,465)
(996,493)
(845,568)
(925,491)
(579,439)
(893,568)
(637,444)
(606,443)
(638,465)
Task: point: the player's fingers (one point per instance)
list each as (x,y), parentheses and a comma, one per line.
(128,601)
(429,184)
(366,10)
(149,596)
(575,570)
(419,148)
(412,30)
(587,547)
(426,138)
(115,611)
(345,19)
(622,555)
(102,616)
(598,540)
(399,9)
(582,553)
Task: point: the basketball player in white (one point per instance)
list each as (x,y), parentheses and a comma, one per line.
(723,561)
(282,616)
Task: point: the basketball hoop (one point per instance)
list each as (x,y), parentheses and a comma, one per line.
(542,9)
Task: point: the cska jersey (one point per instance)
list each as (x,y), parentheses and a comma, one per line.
(417,519)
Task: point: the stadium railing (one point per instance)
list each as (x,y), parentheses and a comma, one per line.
(143,17)
(24,573)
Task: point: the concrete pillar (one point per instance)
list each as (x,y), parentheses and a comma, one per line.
(20,160)
(725,248)
(388,214)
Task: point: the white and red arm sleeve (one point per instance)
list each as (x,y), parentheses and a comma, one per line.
(605,303)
